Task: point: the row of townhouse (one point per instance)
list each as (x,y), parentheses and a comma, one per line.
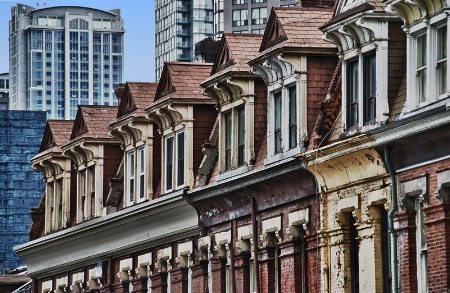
(313,158)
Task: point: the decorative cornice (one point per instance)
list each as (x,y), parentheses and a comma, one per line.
(124,232)
(412,11)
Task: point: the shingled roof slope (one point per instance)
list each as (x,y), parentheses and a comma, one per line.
(136,97)
(181,80)
(56,134)
(93,121)
(234,52)
(300,27)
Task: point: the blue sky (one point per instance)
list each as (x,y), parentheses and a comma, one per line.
(139,24)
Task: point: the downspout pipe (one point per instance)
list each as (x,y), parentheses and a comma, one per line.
(394,267)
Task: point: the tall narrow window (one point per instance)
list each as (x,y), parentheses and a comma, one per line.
(421,236)
(83,182)
(292,117)
(385,251)
(442,59)
(277,123)
(169,162)
(370,87)
(352,94)
(421,71)
(141,171)
(241,136)
(60,203)
(180,158)
(354,254)
(131,176)
(228,141)
(92,190)
(51,197)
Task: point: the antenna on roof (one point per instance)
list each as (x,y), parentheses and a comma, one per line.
(37,4)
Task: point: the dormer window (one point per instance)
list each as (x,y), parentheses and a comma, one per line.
(284,118)
(427,58)
(86,185)
(361,91)
(174,160)
(135,175)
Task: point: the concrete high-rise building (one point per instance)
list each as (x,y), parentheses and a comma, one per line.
(244,16)
(4,91)
(179,25)
(64,56)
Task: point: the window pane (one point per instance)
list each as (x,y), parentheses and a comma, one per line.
(370,87)
(131,176)
(442,59)
(241,136)
(277,123)
(141,170)
(180,158)
(169,162)
(352,94)
(292,117)
(227,141)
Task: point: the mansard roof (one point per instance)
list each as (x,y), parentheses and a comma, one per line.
(56,134)
(181,81)
(93,121)
(235,51)
(135,97)
(297,28)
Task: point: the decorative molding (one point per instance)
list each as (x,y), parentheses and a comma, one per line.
(125,268)
(223,241)
(47,286)
(443,186)
(61,284)
(95,278)
(163,257)
(245,238)
(185,250)
(204,244)
(77,282)
(144,262)
(271,231)
(410,190)
(298,223)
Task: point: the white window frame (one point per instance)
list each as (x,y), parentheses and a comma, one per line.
(233,110)
(131,177)
(168,188)
(177,157)
(286,150)
(430,29)
(87,205)
(140,174)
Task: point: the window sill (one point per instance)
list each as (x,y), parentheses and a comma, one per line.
(235,172)
(282,156)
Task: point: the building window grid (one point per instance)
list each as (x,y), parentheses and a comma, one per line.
(240,17)
(259,15)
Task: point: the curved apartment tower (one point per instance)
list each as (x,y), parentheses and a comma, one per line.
(64,56)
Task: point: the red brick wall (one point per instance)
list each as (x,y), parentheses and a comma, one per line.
(320,72)
(438,234)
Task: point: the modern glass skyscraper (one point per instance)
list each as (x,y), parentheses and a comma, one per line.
(179,25)
(244,16)
(60,57)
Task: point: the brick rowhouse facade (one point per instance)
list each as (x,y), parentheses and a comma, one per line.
(312,158)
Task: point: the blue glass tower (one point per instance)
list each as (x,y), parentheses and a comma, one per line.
(21,187)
